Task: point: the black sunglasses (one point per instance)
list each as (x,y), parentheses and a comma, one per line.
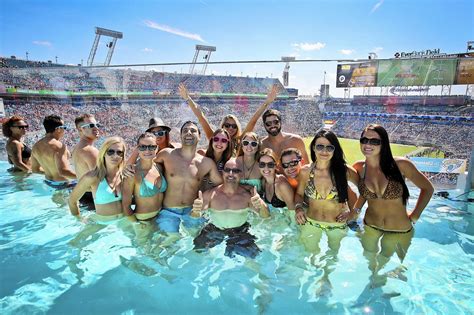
(111,152)
(252,143)
(372,141)
(272,123)
(329,148)
(291,163)
(233,170)
(22,127)
(269,164)
(160,133)
(233,126)
(143,147)
(91,125)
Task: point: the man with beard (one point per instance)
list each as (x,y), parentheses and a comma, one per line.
(184,171)
(84,154)
(228,206)
(278,140)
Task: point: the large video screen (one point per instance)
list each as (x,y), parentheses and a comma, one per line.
(408,72)
(465,72)
(357,74)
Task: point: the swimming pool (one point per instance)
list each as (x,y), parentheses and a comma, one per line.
(51,263)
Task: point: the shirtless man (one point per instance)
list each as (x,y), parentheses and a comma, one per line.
(228,206)
(52,155)
(184,171)
(278,140)
(84,154)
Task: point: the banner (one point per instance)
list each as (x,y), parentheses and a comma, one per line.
(434,165)
(357,74)
(465,71)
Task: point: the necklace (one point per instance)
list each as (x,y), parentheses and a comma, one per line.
(250,169)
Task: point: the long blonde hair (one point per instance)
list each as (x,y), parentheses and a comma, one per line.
(101,169)
(237,122)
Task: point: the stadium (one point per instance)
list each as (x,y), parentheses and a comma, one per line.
(53,263)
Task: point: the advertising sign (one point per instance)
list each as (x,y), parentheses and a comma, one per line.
(434,165)
(357,74)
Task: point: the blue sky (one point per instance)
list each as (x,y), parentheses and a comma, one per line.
(167,31)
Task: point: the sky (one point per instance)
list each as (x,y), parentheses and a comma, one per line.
(157,32)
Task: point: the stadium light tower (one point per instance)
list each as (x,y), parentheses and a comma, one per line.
(208,50)
(99,31)
(286,71)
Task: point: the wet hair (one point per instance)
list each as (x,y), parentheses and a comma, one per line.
(387,162)
(7,132)
(146,135)
(190,122)
(80,119)
(337,168)
(271,112)
(100,170)
(237,122)
(268,152)
(51,122)
(254,136)
(227,154)
(290,151)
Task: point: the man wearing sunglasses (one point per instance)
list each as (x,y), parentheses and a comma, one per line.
(290,161)
(184,171)
(278,140)
(228,206)
(84,154)
(52,155)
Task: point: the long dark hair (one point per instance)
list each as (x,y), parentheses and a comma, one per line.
(337,166)
(227,154)
(387,162)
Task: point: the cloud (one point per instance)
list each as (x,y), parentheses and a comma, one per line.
(147,50)
(346,51)
(42,43)
(175,31)
(309,46)
(376,6)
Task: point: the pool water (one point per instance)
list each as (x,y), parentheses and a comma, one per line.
(52,263)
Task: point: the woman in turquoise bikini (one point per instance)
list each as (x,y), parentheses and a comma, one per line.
(248,158)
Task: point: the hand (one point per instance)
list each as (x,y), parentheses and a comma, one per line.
(272,94)
(344,215)
(300,217)
(413,219)
(129,171)
(183,92)
(256,201)
(198,203)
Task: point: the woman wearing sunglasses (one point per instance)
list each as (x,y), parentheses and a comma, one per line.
(18,153)
(382,185)
(220,151)
(230,122)
(275,189)
(322,196)
(248,158)
(105,182)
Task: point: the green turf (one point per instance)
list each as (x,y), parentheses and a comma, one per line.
(352,152)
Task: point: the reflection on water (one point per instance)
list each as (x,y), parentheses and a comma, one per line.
(53,263)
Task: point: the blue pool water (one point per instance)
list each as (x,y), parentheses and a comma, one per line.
(52,263)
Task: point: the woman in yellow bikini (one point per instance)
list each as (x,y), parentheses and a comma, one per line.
(322,197)
(388,227)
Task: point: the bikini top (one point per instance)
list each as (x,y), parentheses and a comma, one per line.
(275,202)
(104,193)
(26,152)
(394,189)
(148,189)
(255,182)
(311,192)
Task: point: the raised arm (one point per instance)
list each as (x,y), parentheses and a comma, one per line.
(271,96)
(196,110)
(84,185)
(62,162)
(410,171)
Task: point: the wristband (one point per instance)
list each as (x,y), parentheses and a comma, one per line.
(357,210)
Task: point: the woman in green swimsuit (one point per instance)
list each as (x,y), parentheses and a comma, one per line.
(248,158)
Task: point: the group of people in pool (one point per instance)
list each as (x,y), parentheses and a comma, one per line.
(173,185)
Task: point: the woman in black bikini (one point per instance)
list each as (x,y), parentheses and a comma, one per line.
(18,153)
(388,226)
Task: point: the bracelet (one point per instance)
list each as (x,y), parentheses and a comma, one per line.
(299,206)
(412,221)
(357,210)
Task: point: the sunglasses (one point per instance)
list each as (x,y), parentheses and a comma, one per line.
(328,148)
(22,127)
(218,139)
(291,163)
(63,127)
(233,170)
(269,164)
(160,133)
(111,152)
(372,141)
(233,126)
(91,125)
(272,123)
(252,143)
(143,147)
